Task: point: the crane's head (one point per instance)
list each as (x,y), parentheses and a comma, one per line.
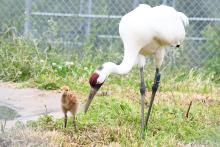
(96,80)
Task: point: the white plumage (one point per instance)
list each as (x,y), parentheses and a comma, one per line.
(146,31)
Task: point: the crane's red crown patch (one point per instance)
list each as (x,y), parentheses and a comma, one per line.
(93,81)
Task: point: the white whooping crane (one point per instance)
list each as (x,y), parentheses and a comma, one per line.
(144,31)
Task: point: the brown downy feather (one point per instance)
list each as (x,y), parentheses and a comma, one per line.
(69,101)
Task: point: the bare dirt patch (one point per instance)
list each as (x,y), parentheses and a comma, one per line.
(29,103)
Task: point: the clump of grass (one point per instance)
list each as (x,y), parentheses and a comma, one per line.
(33,137)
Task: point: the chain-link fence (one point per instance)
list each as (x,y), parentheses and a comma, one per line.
(74,24)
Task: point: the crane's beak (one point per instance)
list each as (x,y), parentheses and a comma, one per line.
(90,98)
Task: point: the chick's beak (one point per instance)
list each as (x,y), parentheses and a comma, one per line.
(90,98)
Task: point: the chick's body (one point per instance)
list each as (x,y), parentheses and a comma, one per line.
(69,102)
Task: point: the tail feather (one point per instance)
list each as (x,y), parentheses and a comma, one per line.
(184,18)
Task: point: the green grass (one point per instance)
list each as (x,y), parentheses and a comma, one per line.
(45,67)
(113,120)
(116,117)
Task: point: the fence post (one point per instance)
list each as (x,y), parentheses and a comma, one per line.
(27,25)
(89,20)
(174,3)
(135,3)
(81,7)
(164,2)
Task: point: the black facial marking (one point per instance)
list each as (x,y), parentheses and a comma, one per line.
(118,62)
(100,67)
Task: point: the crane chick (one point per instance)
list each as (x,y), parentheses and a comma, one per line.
(69,102)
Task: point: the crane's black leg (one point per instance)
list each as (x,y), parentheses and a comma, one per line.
(154,90)
(142,91)
(65,120)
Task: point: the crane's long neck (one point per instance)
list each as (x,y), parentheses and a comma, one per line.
(119,69)
(123,68)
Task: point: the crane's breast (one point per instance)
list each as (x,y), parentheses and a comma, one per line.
(151,47)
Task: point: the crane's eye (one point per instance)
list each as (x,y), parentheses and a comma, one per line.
(100,67)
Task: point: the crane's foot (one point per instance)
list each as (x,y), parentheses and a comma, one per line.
(154,90)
